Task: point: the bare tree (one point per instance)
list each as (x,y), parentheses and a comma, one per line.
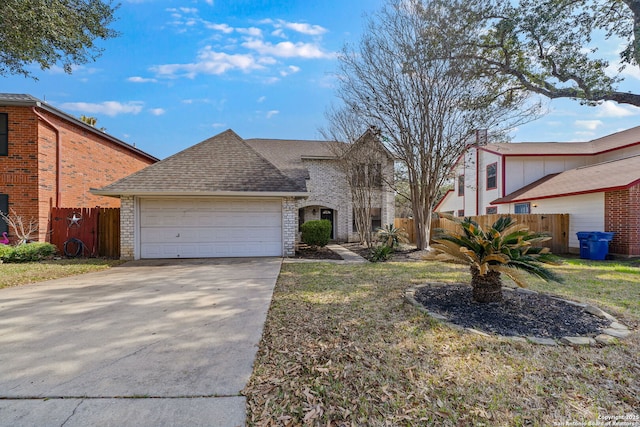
(23,230)
(360,158)
(403,79)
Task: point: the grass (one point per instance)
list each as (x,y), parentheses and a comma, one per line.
(341,348)
(31,272)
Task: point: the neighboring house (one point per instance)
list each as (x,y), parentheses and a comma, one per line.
(230,197)
(597,183)
(51,159)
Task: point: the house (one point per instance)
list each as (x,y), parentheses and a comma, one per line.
(230,197)
(596,182)
(51,159)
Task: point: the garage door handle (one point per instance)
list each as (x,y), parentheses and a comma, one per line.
(178,235)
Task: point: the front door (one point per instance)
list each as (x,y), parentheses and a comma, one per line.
(328,215)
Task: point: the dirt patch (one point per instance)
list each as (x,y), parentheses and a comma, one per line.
(308,252)
(519,314)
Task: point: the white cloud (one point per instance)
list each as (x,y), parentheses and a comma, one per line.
(226,29)
(251,31)
(308,29)
(272,113)
(588,124)
(157,111)
(218,125)
(261,99)
(611,109)
(209,62)
(286,49)
(138,79)
(109,108)
(291,69)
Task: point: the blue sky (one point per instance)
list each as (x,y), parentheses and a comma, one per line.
(183,71)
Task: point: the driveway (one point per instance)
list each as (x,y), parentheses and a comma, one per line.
(149,343)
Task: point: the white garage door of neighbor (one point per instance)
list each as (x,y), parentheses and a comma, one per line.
(205,228)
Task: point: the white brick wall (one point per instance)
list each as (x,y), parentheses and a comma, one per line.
(329,188)
(289,226)
(127,225)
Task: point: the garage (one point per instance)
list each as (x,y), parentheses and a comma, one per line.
(209,227)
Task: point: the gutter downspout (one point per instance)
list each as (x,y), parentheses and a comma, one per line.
(58,144)
(477,179)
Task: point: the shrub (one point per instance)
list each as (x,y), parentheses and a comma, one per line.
(391,236)
(28,252)
(380,253)
(316,232)
(505,247)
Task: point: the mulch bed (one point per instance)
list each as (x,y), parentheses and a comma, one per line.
(308,252)
(519,314)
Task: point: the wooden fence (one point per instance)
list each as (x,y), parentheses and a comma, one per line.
(86,232)
(556,225)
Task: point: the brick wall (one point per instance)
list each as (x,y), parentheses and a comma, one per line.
(127,227)
(289,226)
(28,173)
(622,216)
(19,170)
(329,188)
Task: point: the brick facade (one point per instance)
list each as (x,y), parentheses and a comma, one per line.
(289,226)
(329,188)
(127,227)
(30,175)
(622,209)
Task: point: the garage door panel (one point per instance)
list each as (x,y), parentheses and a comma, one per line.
(183,228)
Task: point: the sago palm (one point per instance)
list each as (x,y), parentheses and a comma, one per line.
(391,236)
(506,247)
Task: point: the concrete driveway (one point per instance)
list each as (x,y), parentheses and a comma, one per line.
(149,343)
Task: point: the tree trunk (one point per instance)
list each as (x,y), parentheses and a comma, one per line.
(486,288)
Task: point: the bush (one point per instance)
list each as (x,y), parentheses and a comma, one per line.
(380,253)
(316,232)
(28,252)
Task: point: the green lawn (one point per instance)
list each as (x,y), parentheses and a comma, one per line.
(341,348)
(30,272)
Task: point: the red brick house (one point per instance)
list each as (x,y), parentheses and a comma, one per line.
(51,159)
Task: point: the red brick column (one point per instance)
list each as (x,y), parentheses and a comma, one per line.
(622,216)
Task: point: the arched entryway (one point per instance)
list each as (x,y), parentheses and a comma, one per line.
(316,212)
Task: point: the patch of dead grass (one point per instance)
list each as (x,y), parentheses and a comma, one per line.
(341,348)
(15,274)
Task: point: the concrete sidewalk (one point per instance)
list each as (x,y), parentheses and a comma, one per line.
(149,343)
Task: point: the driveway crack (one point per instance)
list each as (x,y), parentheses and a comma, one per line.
(72,413)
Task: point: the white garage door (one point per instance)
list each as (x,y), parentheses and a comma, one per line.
(203,228)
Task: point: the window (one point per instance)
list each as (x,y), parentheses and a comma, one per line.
(491,210)
(522,208)
(492,176)
(461,212)
(4,134)
(367,175)
(4,207)
(461,185)
(300,218)
(376,219)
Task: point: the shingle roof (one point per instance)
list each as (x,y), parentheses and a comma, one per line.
(600,145)
(606,176)
(21,99)
(223,163)
(287,155)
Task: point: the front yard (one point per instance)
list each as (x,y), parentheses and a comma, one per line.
(30,272)
(341,348)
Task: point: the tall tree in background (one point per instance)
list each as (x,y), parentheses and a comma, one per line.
(48,32)
(404,79)
(549,46)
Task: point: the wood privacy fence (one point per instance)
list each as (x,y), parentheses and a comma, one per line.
(86,232)
(556,225)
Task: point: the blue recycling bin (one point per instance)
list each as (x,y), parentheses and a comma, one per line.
(594,245)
